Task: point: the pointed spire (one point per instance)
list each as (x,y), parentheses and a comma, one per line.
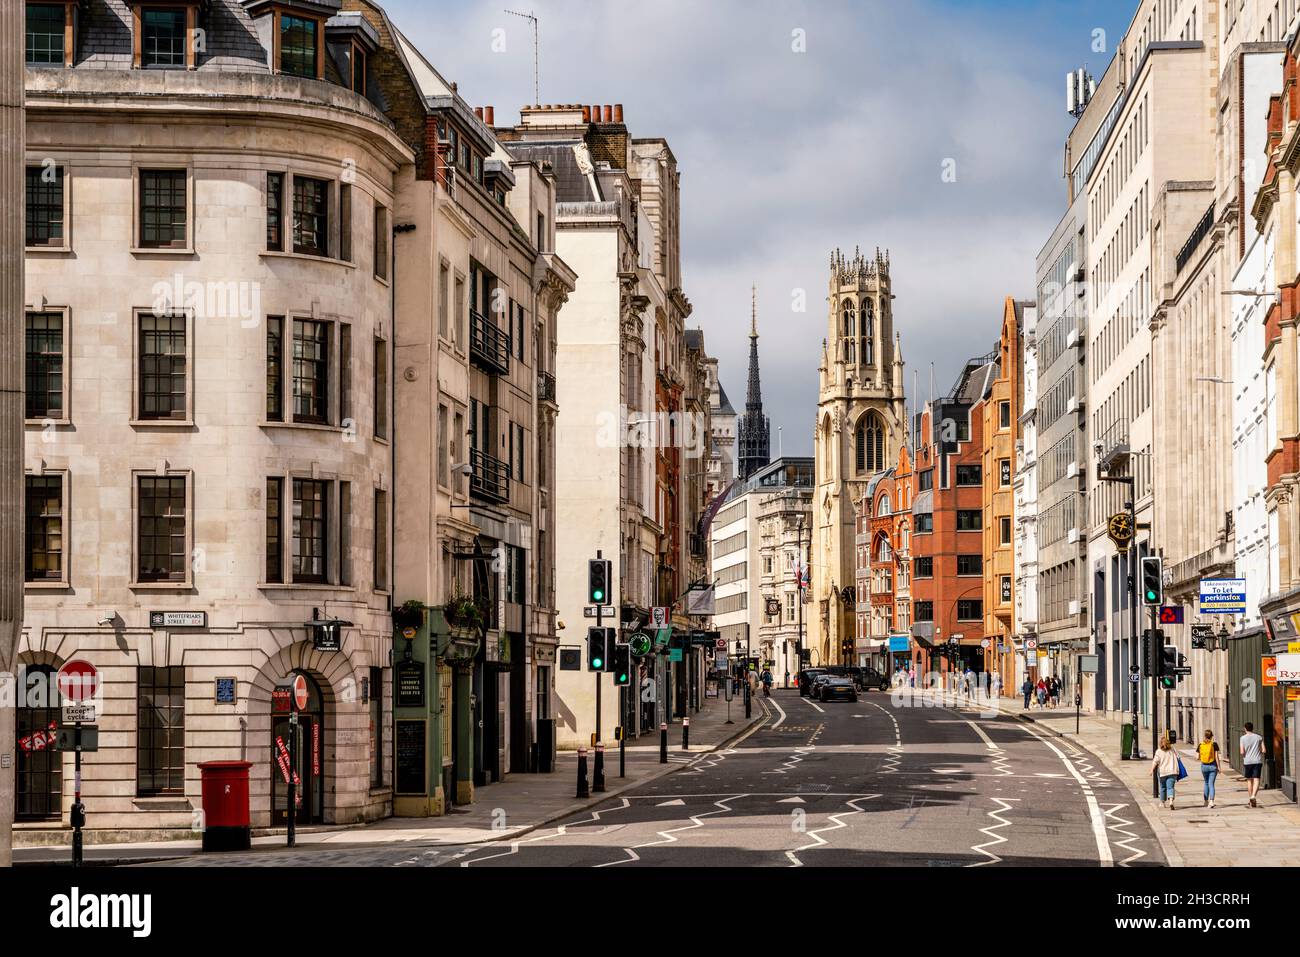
(755,434)
(753,311)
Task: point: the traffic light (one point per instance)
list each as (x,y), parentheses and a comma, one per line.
(1153,580)
(1182,663)
(1168,664)
(595,649)
(622,659)
(598,581)
(1153,640)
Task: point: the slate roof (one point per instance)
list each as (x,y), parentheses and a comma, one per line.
(571,184)
(104,41)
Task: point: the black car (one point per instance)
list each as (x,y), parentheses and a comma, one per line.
(806,678)
(868,678)
(836,688)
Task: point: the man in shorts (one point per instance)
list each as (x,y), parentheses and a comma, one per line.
(1252,760)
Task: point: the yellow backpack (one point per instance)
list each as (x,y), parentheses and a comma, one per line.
(1206,751)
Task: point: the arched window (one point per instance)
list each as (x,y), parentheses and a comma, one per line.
(884,505)
(868,319)
(39,768)
(869,444)
(882,549)
(868,334)
(849,320)
(904,537)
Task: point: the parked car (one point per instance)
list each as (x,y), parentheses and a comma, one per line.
(806,678)
(834,687)
(814,691)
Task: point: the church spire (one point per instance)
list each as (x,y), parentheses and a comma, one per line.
(755,430)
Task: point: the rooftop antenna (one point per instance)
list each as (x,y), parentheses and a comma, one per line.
(531,18)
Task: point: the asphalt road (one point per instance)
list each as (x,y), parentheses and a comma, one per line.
(879,782)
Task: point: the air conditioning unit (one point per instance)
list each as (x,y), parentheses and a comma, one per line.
(1072,470)
(1072,535)
(1074,607)
(1072,338)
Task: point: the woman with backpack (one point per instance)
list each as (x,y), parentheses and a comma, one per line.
(1166,766)
(1208,752)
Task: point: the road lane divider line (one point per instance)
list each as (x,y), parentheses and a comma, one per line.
(818,840)
(994,839)
(667,835)
(1099,830)
(1120,827)
(560,831)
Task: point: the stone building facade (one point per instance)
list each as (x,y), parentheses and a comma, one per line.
(861,425)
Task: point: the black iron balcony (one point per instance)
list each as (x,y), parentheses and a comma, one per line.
(545,387)
(489,347)
(489,477)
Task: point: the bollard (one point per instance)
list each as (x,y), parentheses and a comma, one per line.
(622,752)
(582,772)
(598,772)
(748,703)
(663,743)
(686,734)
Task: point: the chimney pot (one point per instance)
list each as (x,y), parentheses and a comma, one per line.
(489,115)
(478,111)
(609,113)
(618,112)
(586,114)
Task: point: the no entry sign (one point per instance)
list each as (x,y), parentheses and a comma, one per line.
(300,692)
(78,680)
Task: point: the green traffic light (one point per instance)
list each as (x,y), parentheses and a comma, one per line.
(597,595)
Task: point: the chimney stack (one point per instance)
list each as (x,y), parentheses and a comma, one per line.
(489,116)
(618,112)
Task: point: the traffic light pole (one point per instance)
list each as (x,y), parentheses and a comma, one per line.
(1155,701)
(598,766)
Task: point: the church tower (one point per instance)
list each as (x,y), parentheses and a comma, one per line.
(861,425)
(755,436)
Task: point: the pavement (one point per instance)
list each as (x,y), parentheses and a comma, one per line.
(513,807)
(1231,834)
(887,780)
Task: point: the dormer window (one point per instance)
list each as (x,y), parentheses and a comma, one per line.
(163,35)
(299,46)
(50,33)
(350,40)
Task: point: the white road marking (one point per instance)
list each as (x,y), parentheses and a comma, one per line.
(812,703)
(793,800)
(816,835)
(677,803)
(1094,811)
(696,821)
(1112,812)
(780,720)
(994,838)
(558,832)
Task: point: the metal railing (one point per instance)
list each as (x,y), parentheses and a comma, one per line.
(545,387)
(488,345)
(489,476)
(1199,232)
(1114,444)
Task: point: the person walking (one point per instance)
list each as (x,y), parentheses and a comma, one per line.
(1208,752)
(911,676)
(1165,765)
(1027,689)
(1041,690)
(1056,691)
(1252,761)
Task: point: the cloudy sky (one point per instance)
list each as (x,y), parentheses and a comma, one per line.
(786,154)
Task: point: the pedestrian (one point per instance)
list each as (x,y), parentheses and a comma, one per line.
(1056,691)
(967,678)
(1027,689)
(997,684)
(1165,765)
(1208,752)
(1252,761)
(1041,690)
(911,676)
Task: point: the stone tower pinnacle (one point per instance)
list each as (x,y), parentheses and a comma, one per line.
(755,433)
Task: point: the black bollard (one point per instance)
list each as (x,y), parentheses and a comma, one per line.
(686,734)
(663,743)
(582,772)
(598,772)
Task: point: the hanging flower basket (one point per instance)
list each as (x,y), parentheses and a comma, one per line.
(409,615)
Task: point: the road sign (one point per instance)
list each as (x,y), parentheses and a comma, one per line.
(659,616)
(178,619)
(74,713)
(1171,615)
(1223,596)
(1134,673)
(66,739)
(720,660)
(606,611)
(1031,644)
(300,692)
(721,644)
(78,680)
(984,643)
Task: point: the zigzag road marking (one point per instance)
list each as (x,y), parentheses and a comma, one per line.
(1112,813)
(788,765)
(994,838)
(696,821)
(895,758)
(558,832)
(818,840)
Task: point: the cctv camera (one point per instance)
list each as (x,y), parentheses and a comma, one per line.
(559,624)
(107,620)
(1096,448)
(464,468)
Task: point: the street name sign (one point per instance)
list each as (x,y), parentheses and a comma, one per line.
(606,611)
(178,619)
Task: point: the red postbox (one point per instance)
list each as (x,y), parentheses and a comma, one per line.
(226,820)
